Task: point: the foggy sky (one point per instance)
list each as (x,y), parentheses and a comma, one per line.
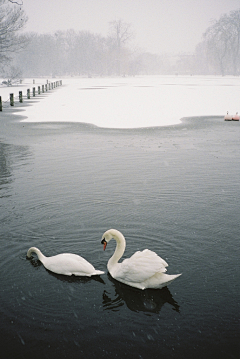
(160,26)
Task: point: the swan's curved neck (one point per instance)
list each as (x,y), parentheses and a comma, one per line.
(31,250)
(120,248)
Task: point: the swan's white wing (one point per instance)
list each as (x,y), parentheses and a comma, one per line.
(68,264)
(140,267)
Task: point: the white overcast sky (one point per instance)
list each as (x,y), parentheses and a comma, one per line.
(160,26)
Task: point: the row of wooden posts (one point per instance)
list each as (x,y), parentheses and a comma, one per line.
(41,89)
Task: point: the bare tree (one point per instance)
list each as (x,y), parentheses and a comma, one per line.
(120,34)
(234,28)
(223,42)
(12,19)
(13,75)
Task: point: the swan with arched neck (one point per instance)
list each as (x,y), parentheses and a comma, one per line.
(144,269)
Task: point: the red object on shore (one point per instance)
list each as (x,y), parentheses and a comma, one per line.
(228,117)
(236,117)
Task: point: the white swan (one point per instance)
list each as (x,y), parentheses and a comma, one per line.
(143,270)
(66,263)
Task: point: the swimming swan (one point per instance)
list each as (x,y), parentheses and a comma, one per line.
(66,263)
(143,270)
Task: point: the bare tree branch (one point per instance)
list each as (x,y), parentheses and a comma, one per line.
(12,19)
(15,2)
(120,34)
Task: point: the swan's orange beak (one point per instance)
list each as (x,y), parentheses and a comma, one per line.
(104,244)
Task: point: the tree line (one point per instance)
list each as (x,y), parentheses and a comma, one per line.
(83,53)
(219,51)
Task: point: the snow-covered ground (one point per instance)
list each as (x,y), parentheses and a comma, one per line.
(132,102)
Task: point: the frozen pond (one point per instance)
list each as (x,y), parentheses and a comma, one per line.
(134,102)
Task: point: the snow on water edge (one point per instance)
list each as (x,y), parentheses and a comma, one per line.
(136,102)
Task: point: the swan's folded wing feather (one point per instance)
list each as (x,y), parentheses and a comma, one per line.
(68,263)
(141,266)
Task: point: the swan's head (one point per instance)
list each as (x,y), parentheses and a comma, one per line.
(108,235)
(105,239)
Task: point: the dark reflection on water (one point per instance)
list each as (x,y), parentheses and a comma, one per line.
(149,301)
(10,157)
(5,173)
(173,190)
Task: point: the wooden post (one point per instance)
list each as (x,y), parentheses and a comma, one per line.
(34,92)
(46,87)
(34,82)
(49,86)
(42,88)
(39,90)
(11,99)
(28,94)
(0,103)
(52,85)
(20,96)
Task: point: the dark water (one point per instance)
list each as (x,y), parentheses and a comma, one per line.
(174,190)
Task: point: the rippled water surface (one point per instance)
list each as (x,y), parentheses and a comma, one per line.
(174,190)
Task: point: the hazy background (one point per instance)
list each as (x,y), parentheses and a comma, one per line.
(159,25)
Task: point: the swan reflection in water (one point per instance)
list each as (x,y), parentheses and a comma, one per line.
(149,300)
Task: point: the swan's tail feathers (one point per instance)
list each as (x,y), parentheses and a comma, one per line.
(171,277)
(98,272)
(166,279)
(176,275)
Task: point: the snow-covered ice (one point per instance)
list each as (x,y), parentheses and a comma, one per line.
(133,102)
